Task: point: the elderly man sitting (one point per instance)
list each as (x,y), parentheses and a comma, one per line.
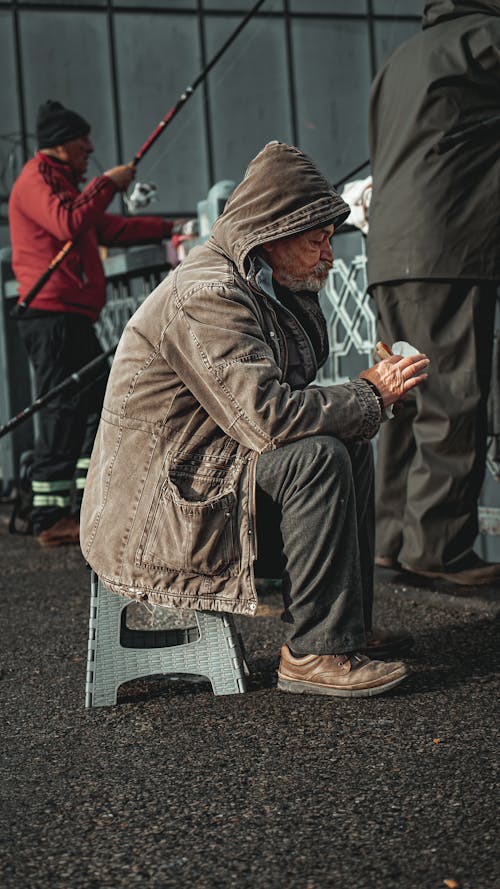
(216,449)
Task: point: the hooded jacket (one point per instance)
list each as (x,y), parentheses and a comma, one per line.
(211,371)
(435,211)
(46,209)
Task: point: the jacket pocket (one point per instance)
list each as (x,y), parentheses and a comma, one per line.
(192,536)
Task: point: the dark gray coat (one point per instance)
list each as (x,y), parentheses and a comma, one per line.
(437,215)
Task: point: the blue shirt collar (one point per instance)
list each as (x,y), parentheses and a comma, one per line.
(264,276)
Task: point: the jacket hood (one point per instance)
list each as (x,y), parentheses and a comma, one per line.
(283,193)
(436,11)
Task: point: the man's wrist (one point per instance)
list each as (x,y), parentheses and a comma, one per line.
(376,391)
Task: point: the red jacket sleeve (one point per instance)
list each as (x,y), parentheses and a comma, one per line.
(62,212)
(121,231)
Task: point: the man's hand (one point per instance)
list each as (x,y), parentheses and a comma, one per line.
(186,228)
(395,376)
(122,176)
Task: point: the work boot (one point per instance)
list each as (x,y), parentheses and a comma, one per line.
(340,675)
(63,532)
(478,574)
(385,643)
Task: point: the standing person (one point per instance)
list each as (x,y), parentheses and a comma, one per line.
(211,402)
(433,269)
(46,209)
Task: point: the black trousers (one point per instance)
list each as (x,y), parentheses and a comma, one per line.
(315,529)
(58,344)
(431,457)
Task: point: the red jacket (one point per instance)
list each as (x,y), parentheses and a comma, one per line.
(46,209)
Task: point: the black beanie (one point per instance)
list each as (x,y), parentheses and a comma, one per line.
(56,125)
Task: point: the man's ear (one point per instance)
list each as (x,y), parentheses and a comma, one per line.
(59,151)
(267,248)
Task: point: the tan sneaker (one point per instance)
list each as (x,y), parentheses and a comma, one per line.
(62,533)
(340,675)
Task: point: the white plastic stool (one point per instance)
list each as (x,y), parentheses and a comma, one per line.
(117,654)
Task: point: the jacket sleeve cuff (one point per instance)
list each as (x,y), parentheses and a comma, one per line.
(370,405)
(108,184)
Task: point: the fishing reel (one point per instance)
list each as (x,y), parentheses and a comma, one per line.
(143,194)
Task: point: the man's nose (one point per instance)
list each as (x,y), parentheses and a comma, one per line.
(327,252)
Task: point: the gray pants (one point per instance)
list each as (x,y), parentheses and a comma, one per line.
(431,458)
(315,529)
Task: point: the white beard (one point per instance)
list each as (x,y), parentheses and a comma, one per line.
(314,281)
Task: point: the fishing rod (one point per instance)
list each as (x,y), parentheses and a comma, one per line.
(73,380)
(21,307)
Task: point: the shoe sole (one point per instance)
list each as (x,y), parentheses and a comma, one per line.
(452,578)
(299,686)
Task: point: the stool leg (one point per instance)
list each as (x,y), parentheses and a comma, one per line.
(89,684)
(225,661)
(106,662)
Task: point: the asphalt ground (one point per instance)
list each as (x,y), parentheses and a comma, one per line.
(175,787)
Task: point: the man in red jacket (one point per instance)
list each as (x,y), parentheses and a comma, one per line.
(46,209)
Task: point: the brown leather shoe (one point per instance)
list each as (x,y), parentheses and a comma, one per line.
(64,532)
(478,574)
(339,675)
(385,643)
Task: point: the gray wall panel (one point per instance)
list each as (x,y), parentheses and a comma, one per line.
(332,98)
(157,58)
(242,6)
(247,112)
(329,6)
(398,7)
(161,4)
(11,156)
(68,2)
(65,56)
(389,35)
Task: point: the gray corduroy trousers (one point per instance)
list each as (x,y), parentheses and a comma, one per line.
(315,529)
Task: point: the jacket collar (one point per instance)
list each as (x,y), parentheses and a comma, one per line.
(260,274)
(57,164)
